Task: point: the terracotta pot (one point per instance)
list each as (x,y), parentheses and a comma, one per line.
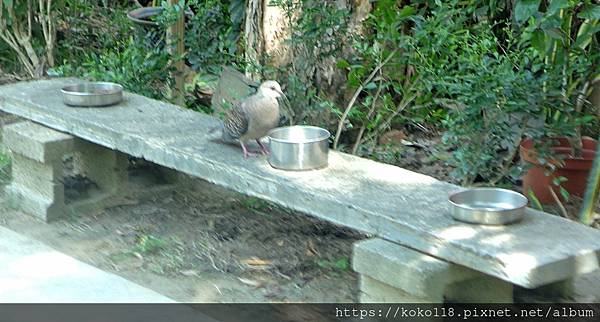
(576,170)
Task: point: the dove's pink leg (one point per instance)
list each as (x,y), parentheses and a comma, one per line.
(263,148)
(246,152)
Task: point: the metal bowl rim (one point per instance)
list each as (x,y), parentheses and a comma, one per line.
(320,139)
(464,206)
(151,11)
(117,89)
(135,16)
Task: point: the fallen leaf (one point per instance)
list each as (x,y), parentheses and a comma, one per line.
(138,255)
(250,282)
(256,262)
(189,272)
(311,250)
(392,137)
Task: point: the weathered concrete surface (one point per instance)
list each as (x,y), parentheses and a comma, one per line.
(395,204)
(411,271)
(37,142)
(37,168)
(105,167)
(374,291)
(394,273)
(482,289)
(31,272)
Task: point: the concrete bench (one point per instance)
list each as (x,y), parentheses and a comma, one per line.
(418,254)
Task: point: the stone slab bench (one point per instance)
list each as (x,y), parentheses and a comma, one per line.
(403,208)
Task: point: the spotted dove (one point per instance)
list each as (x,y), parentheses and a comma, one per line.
(253,117)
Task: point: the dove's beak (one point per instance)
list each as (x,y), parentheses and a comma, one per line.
(286,100)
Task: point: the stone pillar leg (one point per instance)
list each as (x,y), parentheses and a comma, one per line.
(393,273)
(481,289)
(562,289)
(105,167)
(37,168)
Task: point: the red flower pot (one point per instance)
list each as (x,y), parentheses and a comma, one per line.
(576,170)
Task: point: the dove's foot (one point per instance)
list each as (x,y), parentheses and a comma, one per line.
(247,153)
(263,149)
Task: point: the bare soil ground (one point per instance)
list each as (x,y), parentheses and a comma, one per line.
(203,243)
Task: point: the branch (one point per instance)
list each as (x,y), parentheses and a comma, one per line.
(355,96)
(399,108)
(560,205)
(508,160)
(45,17)
(369,115)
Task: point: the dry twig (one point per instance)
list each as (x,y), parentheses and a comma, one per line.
(562,208)
(355,96)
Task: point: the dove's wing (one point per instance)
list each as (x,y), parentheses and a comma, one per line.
(236,122)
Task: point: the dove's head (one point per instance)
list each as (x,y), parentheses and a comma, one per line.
(271,88)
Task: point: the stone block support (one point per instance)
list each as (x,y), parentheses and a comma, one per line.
(37,168)
(37,187)
(106,167)
(394,273)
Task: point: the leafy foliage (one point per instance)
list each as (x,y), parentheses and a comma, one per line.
(141,70)
(87,28)
(493,96)
(486,71)
(318,33)
(212,32)
(100,43)
(380,72)
(28,29)
(212,40)
(563,35)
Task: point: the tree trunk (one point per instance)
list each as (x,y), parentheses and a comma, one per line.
(253,34)
(176,46)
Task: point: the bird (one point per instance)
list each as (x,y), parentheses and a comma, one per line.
(253,117)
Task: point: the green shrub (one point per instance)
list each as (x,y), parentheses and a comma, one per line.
(213,35)
(100,43)
(87,27)
(138,68)
(318,32)
(493,95)
(8,60)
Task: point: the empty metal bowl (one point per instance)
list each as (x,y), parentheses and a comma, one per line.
(92,94)
(488,206)
(299,147)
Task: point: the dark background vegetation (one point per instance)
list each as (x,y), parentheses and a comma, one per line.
(463,81)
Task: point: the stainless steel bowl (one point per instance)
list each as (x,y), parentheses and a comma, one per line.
(92,94)
(488,206)
(299,147)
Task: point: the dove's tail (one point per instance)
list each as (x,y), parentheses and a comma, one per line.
(219,132)
(216,129)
